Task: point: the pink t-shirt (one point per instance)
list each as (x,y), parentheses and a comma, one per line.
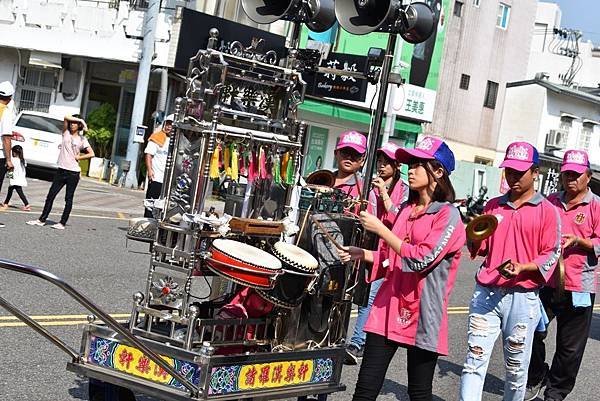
(376,205)
(71,146)
(529,233)
(411,304)
(582,220)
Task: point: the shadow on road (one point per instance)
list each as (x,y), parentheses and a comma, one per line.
(400,391)
(493,385)
(595,329)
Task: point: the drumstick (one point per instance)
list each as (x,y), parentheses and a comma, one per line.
(329,237)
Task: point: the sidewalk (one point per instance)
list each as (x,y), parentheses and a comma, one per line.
(91,197)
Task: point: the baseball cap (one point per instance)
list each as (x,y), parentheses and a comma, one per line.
(389,149)
(575,160)
(170,117)
(354,140)
(429,148)
(520,156)
(6,89)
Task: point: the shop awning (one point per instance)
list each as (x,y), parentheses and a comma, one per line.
(352,114)
(46,60)
(568,115)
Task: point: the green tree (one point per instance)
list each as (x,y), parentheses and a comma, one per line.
(101,123)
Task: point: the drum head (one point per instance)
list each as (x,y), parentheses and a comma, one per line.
(295,256)
(247,254)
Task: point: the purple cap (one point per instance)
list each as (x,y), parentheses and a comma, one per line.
(430,148)
(520,156)
(354,140)
(575,160)
(389,149)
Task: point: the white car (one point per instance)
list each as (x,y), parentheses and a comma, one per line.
(40,135)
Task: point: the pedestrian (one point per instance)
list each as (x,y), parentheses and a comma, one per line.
(18,180)
(156,153)
(418,267)
(520,257)
(573,305)
(74,147)
(7,114)
(388,193)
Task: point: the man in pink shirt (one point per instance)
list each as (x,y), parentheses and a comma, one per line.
(579,211)
(527,245)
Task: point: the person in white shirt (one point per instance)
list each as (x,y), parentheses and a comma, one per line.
(156,160)
(7,114)
(18,180)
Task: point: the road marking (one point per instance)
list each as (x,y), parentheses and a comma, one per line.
(121,215)
(59,317)
(65,323)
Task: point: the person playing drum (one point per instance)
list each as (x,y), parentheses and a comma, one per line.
(573,305)
(419,271)
(520,257)
(385,198)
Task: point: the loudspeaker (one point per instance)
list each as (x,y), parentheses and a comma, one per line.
(319,15)
(414,22)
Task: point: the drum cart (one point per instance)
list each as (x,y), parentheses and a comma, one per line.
(227,344)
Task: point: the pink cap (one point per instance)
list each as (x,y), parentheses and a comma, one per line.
(389,149)
(354,140)
(575,160)
(430,148)
(520,156)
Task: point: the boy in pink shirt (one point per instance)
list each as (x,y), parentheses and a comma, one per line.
(506,301)
(418,266)
(579,211)
(350,157)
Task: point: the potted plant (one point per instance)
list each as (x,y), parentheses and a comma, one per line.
(101,123)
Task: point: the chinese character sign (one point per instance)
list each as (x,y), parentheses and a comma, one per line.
(275,374)
(339,86)
(414,102)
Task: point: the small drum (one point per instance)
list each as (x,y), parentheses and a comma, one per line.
(299,270)
(243,263)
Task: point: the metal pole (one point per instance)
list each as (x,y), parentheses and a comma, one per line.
(390,118)
(378,118)
(141,89)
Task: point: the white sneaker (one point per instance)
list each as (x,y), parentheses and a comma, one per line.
(2,225)
(36,223)
(58,226)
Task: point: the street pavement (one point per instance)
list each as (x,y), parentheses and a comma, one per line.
(91,255)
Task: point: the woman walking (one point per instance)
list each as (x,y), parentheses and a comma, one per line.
(419,263)
(18,180)
(74,147)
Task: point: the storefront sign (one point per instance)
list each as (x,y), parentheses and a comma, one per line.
(414,102)
(339,86)
(317,145)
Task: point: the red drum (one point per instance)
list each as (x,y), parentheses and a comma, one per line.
(299,271)
(243,263)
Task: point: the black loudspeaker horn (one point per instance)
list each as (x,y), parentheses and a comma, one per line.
(414,22)
(319,15)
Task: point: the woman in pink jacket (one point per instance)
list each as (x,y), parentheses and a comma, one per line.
(419,265)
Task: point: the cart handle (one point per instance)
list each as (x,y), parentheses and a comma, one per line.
(94,309)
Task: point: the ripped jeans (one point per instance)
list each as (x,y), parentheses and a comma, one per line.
(513,311)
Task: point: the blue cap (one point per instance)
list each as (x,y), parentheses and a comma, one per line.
(429,148)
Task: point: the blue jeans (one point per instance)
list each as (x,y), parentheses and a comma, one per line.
(515,313)
(359,336)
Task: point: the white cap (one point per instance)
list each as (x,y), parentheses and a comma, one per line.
(170,117)
(6,89)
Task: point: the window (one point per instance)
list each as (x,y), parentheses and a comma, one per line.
(483,160)
(458,8)
(566,123)
(476,3)
(503,16)
(491,92)
(35,89)
(464,81)
(585,136)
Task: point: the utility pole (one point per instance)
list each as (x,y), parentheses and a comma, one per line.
(141,89)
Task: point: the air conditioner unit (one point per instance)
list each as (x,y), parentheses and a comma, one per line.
(557,138)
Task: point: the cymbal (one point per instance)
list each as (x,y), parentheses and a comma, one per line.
(481,227)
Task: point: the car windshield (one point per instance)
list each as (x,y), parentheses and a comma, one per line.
(40,123)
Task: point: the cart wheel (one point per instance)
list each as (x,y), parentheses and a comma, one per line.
(102,391)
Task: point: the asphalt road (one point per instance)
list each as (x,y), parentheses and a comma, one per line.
(91,255)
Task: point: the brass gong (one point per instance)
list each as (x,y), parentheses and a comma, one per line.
(481,227)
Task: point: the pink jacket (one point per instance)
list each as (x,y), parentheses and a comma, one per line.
(398,196)
(411,305)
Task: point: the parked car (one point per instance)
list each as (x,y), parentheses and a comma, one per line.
(40,135)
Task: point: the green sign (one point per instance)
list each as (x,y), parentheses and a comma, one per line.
(315,153)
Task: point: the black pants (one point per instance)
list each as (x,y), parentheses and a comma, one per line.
(573,327)
(378,354)
(20,192)
(62,178)
(153,192)
(2,170)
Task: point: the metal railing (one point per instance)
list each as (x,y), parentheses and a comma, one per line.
(94,309)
